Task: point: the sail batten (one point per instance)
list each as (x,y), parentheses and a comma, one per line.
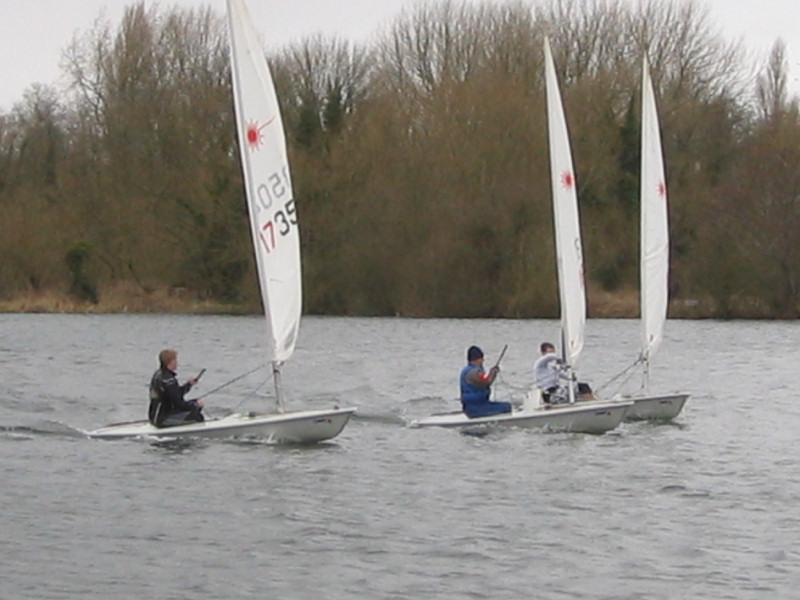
(569,251)
(268,186)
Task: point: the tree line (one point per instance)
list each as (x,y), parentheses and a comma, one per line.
(419,160)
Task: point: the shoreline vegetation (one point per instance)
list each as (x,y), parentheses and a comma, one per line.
(127,298)
(122,298)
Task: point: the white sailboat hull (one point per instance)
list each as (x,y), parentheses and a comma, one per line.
(301,427)
(655,408)
(581,417)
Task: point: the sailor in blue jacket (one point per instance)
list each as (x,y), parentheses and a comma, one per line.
(476,387)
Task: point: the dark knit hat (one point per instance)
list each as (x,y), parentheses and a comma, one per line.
(473,353)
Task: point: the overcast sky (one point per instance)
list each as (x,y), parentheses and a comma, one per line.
(33,33)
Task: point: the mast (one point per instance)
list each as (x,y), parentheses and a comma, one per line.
(276,375)
(568,368)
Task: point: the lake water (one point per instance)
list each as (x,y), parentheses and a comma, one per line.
(706,507)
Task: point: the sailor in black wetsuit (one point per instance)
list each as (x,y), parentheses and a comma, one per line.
(167,405)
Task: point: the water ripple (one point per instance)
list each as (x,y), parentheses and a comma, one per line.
(700,508)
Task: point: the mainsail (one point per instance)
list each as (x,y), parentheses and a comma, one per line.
(654,243)
(569,253)
(270,201)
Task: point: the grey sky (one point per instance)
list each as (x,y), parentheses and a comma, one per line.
(34,32)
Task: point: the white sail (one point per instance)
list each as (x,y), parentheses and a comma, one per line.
(569,253)
(654,243)
(270,200)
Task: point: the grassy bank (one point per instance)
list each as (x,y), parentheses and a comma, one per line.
(121,298)
(129,298)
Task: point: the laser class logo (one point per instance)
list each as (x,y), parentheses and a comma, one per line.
(255,134)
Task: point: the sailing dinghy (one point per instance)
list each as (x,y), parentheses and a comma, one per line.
(276,241)
(654,261)
(590,416)
(583,417)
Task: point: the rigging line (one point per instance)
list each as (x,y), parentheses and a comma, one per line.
(254,392)
(502,391)
(620,374)
(497,384)
(626,380)
(226,384)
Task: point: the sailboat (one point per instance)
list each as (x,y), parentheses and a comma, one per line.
(654,260)
(584,417)
(276,242)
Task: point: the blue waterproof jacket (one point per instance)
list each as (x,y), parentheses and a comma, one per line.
(470,393)
(475,401)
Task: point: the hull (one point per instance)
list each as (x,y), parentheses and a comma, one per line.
(302,427)
(582,417)
(655,408)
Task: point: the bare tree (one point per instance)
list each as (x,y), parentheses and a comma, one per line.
(321,83)
(771,85)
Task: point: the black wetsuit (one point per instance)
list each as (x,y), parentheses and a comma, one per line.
(167,405)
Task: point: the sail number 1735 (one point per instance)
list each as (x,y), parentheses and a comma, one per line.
(275,196)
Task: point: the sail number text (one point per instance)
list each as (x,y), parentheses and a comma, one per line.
(275,195)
